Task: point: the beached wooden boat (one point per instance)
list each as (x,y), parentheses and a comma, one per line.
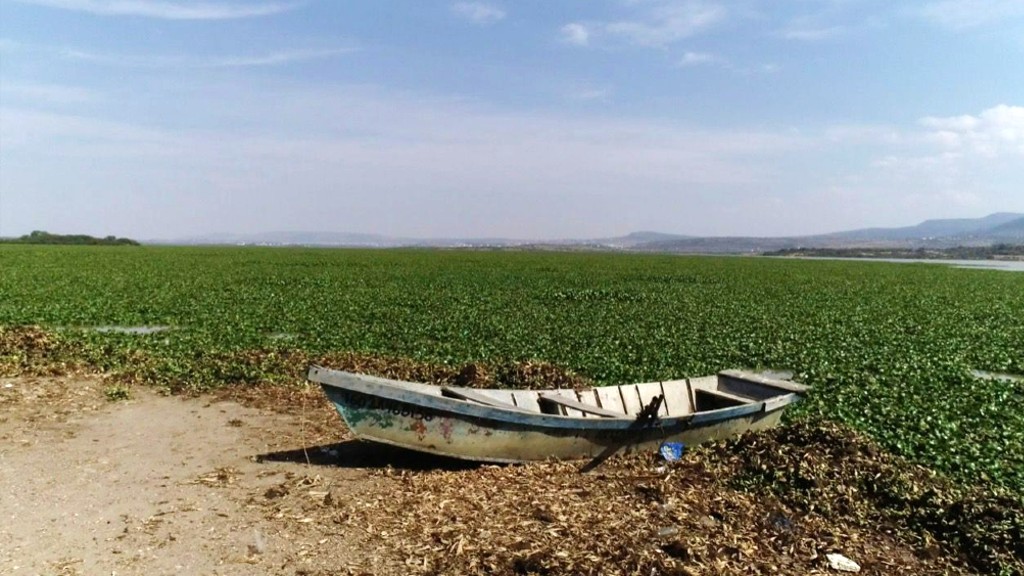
(522,425)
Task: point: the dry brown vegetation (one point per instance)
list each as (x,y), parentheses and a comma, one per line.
(770,503)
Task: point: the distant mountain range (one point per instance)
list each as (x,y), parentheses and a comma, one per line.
(1003,227)
(991,226)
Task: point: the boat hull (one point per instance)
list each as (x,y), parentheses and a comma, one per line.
(504,437)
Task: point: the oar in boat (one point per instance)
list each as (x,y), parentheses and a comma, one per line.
(647,416)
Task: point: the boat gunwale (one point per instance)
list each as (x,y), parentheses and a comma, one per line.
(399,391)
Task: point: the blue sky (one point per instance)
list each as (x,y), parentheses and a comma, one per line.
(530,119)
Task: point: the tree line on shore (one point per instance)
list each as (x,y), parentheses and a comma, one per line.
(42,237)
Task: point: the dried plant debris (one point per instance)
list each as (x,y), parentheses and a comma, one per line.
(776,502)
(527,374)
(835,473)
(42,399)
(33,351)
(223,476)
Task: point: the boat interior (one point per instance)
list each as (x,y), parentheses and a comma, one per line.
(680,397)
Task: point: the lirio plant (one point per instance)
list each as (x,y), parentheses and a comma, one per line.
(887,348)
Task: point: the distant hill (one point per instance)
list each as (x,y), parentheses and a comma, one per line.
(948,228)
(930,234)
(1003,227)
(636,239)
(1014,229)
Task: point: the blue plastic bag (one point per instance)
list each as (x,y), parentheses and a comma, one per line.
(671,451)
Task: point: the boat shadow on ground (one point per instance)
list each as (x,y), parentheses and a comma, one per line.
(359,454)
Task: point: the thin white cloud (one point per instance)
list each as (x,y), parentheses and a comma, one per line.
(169,9)
(813,34)
(668,23)
(507,172)
(478,13)
(753,70)
(278,58)
(863,134)
(822,20)
(48,93)
(994,132)
(656,26)
(590,94)
(964,14)
(693,59)
(497,172)
(969,161)
(697,59)
(575,33)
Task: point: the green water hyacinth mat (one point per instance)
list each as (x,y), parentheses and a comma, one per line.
(895,350)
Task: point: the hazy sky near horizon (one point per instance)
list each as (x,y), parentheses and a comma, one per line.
(160,119)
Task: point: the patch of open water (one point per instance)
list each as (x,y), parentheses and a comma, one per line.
(130,329)
(985,375)
(1005,265)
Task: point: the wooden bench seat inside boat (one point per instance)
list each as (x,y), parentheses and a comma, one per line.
(715,399)
(755,386)
(581,406)
(479,398)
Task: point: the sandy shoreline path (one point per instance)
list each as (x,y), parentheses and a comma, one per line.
(152,485)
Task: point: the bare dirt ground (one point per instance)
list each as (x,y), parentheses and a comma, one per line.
(263,480)
(159,485)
